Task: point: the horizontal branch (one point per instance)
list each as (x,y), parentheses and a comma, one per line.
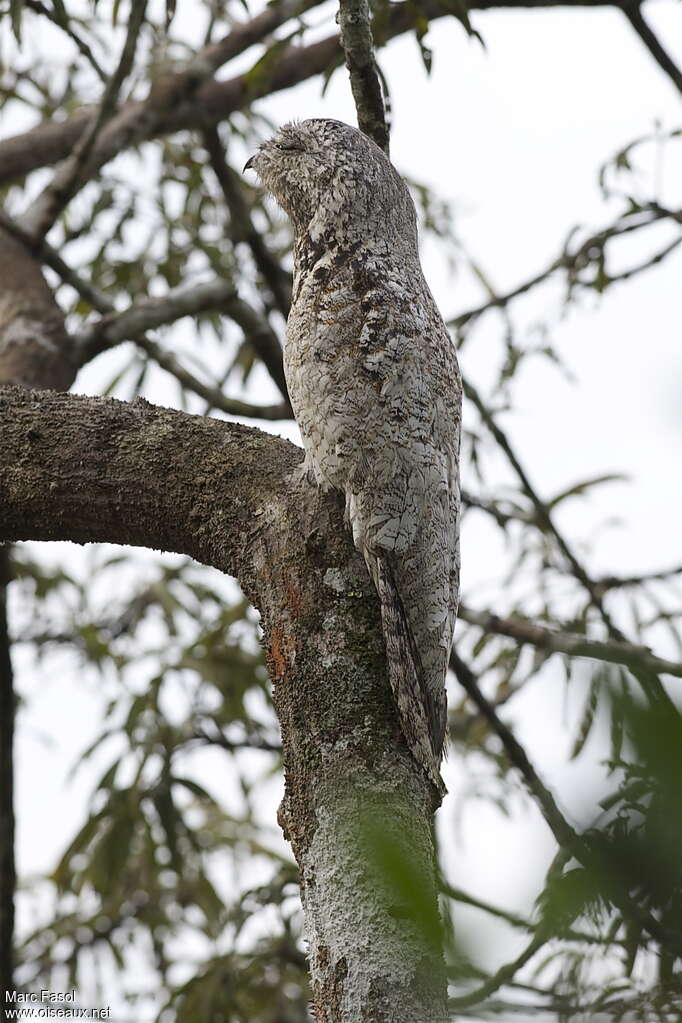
(99,470)
(183,101)
(554,641)
(613,582)
(148,313)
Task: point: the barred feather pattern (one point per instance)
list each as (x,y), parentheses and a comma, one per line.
(376,391)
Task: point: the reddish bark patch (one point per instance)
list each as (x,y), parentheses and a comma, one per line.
(280,654)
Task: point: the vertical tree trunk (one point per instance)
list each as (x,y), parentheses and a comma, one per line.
(357,808)
(35,351)
(7,868)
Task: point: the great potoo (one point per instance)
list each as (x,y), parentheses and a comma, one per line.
(376,392)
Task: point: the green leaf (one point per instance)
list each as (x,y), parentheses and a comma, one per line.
(589,711)
(569,895)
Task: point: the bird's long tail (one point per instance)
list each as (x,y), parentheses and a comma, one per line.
(416,709)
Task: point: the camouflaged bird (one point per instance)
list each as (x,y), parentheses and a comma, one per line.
(375,388)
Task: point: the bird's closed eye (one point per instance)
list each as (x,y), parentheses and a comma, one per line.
(289,147)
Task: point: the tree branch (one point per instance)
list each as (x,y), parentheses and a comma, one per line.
(554,641)
(242,227)
(95,469)
(612,582)
(69,178)
(148,313)
(186,100)
(564,833)
(514,920)
(50,257)
(502,515)
(503,976)
(65,26)
(213,395)
(633,12)
(188,300)
(7,864)
(574,261)
(566,836)
(358,48)
(89,469)
(647,678)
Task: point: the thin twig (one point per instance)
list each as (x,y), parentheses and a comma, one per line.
(543,514)
(564,833)
(211,394)
(568,839)
(553,640)
(7,819)
(232,746)
(612,582)
(503,976)
(242,227)
(358,47)
(647,678)
(44,251)
(514,920)
(65,26)
(244,35)
(493,508)
(571,262)
(74,173)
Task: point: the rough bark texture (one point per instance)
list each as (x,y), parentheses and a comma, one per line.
(374,943)
(356,39)
(7,869)
(35,350)
(89,469)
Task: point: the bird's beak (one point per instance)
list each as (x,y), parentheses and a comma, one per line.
(249,163)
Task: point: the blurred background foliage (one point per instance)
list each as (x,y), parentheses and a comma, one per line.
(191,884)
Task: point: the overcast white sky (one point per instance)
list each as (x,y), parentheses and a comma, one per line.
(514,136)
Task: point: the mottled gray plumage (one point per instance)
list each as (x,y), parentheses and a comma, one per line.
(376,391)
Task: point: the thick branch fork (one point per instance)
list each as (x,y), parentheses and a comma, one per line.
(94,469)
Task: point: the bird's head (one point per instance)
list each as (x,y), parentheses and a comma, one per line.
(323,172)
